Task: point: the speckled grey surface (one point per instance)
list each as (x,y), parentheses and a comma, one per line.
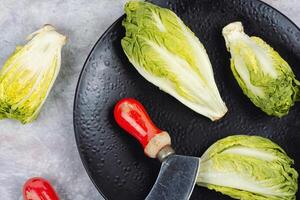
(47,146)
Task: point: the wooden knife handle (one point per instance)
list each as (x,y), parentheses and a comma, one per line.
(132,117)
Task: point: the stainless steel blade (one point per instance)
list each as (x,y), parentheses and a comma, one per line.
(176,179)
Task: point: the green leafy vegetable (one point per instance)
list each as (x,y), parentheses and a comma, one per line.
(248,168)
(29,73)
(169,55)
(264,76)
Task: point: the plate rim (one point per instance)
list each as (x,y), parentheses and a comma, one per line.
(76,132)
(80,79)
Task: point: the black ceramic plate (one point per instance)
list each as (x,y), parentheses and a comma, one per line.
(115,161)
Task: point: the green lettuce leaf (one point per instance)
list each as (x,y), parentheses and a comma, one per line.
(248,168)
(264,76)
(169,55)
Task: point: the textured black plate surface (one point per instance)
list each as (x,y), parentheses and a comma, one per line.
(115,161)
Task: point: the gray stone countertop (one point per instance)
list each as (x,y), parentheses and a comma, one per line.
(47,146)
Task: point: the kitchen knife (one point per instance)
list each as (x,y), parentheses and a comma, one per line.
(177,176)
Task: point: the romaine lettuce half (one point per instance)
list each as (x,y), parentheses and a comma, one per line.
(169,55)
(264,76)
(248,168)
(29,73)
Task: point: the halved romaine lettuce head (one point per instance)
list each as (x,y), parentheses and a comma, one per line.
(169,55)
(248,168)
(29,73)
(264,76)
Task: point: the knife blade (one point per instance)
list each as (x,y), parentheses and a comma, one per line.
(176,179)
(177,176)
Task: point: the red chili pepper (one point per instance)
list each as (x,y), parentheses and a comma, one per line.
(39,189)
(132,116)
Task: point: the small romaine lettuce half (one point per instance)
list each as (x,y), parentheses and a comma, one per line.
(29,73)
(264,76)
(248,168)
(169,55)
